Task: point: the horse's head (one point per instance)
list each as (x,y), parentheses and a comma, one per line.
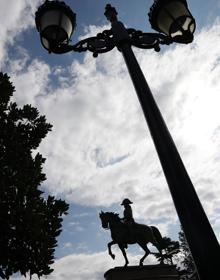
(108,217)
(104,219)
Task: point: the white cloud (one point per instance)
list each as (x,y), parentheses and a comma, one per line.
(100,150)
(89,266)
(31,84)
(97,121)
(15,17)
(67,245)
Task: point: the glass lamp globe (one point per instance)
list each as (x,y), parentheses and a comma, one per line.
(55,22)
(173,18)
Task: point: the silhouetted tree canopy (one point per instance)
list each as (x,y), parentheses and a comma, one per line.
(180,252)
(172,248)
(29,222)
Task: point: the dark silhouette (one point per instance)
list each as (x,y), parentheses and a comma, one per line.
(128,219)
(142,235)
(30,222)
(172,248)
(128,215)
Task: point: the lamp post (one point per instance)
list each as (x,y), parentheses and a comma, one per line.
(56,22)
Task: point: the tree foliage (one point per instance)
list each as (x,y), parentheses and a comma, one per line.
(178,252)
(29,222)
(172,248)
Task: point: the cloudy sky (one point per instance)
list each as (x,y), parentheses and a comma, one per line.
(100,150)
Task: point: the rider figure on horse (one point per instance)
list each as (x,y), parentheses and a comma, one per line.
(128,219)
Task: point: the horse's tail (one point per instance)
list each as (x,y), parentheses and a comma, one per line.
(158,237)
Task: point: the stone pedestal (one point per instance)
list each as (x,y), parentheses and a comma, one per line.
(147,272)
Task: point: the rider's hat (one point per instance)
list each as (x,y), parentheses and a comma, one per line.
(126,201)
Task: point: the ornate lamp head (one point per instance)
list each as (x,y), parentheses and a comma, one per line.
(55,22)
(173,18)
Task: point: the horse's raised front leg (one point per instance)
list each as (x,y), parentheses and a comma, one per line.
(109,249)
(147,252)
(124,253)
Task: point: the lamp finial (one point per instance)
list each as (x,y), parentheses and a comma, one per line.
(110,13)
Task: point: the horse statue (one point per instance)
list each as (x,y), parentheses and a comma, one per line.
(141,234)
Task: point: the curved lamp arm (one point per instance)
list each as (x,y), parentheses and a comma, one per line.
(105,42)
(101,43)
(143,40)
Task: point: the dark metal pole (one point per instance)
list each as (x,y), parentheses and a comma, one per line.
(199,234)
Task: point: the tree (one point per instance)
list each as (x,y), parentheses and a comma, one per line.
(172,248)
(188,270)
(30,222)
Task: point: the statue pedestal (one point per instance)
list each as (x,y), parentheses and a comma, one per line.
(147,272)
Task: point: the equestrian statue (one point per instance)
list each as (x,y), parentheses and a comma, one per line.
(125,231)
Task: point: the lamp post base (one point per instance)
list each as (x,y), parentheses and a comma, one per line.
(147,272)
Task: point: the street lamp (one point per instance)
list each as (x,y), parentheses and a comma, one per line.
(173,18)
(175,23)
(56,23)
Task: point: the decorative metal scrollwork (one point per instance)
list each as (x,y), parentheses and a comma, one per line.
(143,40)
(104,42)
(101,43)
